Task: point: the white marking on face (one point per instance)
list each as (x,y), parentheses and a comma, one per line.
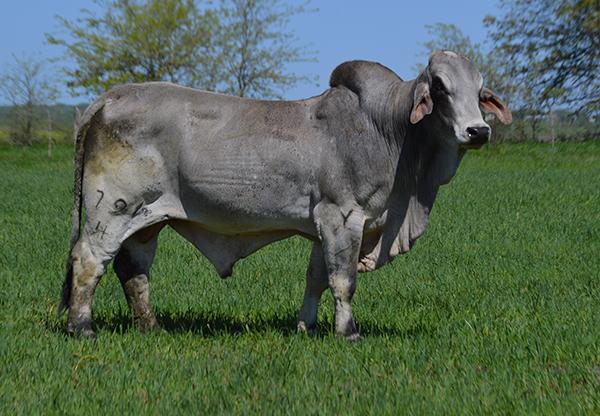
(445,79)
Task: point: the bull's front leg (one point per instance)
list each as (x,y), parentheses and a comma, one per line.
(340,230)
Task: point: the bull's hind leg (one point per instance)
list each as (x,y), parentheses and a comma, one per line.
(89,264)
(94,250)
(316,283)
(132,265)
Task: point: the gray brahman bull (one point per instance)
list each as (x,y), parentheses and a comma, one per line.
(355,170)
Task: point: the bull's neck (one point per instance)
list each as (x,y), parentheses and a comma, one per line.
(436,157)
(390,112)
(427,160)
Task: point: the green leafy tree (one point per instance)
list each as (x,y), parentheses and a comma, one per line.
(444,36)
(135,41)
(239,47)
(555,48)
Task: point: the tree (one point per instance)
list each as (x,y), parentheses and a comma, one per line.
(240,47)
(255,47)
(447,36)
(444,36)
(25,86)
(135,41)
(555,48)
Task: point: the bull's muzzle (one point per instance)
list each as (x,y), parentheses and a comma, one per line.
(478,136)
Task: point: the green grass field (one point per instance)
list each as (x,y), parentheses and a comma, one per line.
(496,309)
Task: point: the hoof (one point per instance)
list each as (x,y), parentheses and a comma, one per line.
(305,329)
(348,331)
(353,338)
(146,324)
(82,332)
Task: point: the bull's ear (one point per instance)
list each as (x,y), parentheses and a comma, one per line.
(490,103)
(422,104)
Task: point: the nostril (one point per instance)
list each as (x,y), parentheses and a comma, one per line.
(476,132)
(472,131)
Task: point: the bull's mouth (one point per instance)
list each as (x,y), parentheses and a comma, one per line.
(474,143)
(472,146)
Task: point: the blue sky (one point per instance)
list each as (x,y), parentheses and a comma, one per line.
(390,32)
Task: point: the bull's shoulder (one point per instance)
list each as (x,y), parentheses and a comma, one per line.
(338,114)
(337,102)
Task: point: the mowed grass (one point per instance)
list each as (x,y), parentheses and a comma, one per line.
(496,309)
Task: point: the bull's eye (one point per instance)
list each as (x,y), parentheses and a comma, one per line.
(437,85)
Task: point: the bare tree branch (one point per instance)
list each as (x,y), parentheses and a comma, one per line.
(25,86)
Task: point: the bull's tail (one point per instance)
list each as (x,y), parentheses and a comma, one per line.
(82,122)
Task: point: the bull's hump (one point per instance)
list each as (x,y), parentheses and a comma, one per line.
(375,85)
(358,75)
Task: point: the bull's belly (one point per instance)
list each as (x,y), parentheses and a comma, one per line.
(240,204)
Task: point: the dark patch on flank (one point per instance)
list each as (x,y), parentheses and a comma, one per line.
(150,195)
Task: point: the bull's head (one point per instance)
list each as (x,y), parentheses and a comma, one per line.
(451,90)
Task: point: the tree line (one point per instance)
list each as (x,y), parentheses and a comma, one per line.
(542,56)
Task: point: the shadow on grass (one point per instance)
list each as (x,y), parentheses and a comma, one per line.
(213,325)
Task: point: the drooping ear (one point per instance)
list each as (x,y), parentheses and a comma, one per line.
(490,103)
(422,104)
